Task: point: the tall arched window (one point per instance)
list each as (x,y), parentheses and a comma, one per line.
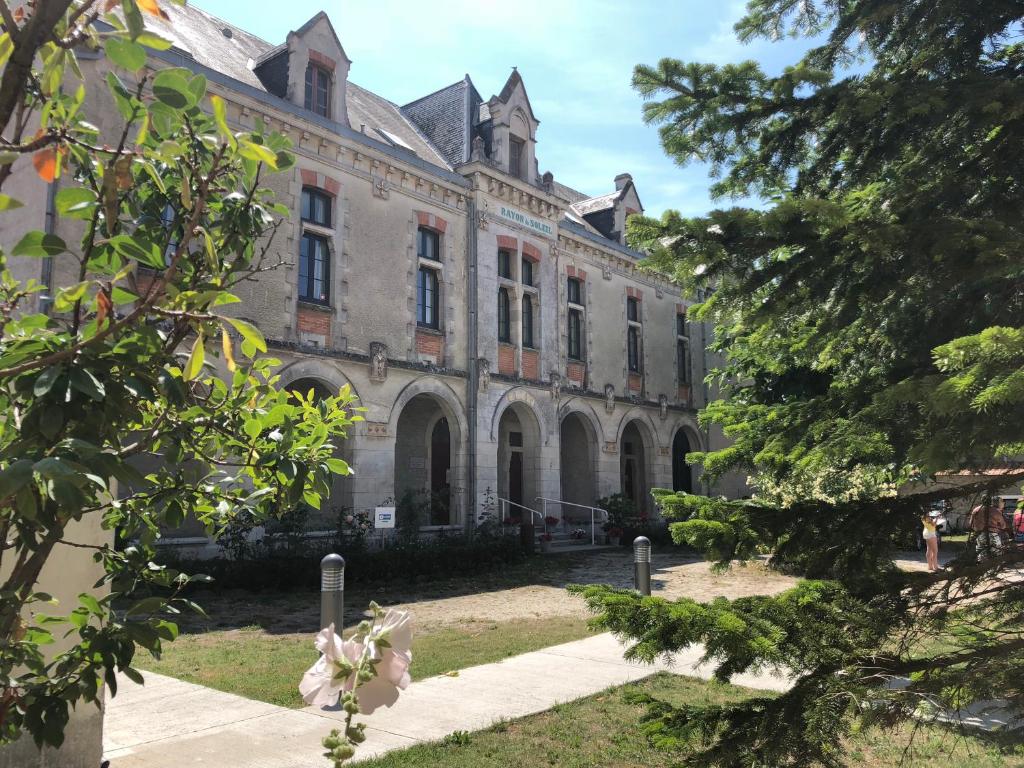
(527,321)
(504,324)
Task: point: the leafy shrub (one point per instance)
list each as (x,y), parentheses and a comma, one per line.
(406,561)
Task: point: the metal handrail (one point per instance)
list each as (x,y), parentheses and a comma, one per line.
(509,502)
(593,535)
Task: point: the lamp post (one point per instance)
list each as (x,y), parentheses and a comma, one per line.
(332,592)
(642,565)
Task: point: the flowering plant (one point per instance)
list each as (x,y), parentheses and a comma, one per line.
(551,520)
(615,533)
(361,674)
(546,537)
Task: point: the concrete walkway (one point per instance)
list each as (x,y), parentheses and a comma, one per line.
(169,723)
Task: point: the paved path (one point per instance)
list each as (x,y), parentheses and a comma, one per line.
(169,723)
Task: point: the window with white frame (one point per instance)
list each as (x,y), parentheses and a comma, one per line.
(314,246)
(634,335)
(575,316)
(683,349)
(428,278)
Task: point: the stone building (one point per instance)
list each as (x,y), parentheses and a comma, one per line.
(492,322)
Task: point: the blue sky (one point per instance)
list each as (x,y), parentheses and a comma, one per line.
(576,58)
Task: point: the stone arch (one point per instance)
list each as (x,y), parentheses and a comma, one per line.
(327,377)
(524,396)
(580,440)
(436,478)
(448,400)
(320,370)
(638,449)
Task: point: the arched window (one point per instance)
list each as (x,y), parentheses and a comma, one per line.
(527,321)
(504,324)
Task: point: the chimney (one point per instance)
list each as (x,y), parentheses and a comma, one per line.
(622,180)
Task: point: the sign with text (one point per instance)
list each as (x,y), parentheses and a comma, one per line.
(526,220)
(384,517)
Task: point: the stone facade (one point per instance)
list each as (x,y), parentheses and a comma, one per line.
(451,407)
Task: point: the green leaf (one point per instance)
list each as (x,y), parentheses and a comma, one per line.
(44,381)
(125,53)
(85,382)
(146,605)
(133,675)
(6,48)
(122,98)
(220,114)
(195,359)
(39,244)
(258,152)
(76,202)
(8,203)
(154,41)
(142,251)
(15,476)
(172,89)
(249,332)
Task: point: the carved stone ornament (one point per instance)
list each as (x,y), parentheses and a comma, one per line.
(378,361)
(481,220)
(606,273)
(483,373)
(479,151)
(380,189)
(663,406)
(609,398)
(556,385)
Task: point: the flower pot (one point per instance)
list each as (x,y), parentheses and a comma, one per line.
(545,546)
(613,540)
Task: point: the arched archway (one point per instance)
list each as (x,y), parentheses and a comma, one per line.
(428,459)
(340,499)
(519,442)
(578,446)
(636,455)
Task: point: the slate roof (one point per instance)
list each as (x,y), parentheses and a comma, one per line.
(201,36)
(444,117)
(595,204)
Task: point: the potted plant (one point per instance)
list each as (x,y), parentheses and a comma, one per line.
(545,542)
(614,535)
(551,521)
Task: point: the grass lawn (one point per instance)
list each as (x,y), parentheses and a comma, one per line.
(602,730)
(252,663)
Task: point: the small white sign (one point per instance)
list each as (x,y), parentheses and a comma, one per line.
(384,517)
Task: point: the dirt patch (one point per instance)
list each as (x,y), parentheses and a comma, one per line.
(674,575)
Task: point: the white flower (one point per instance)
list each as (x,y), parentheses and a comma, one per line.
(324,682)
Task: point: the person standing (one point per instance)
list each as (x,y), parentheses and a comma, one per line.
(988,527)
(931,542)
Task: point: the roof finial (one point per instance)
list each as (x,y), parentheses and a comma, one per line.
(515,68)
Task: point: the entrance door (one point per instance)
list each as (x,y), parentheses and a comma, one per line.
(515,481)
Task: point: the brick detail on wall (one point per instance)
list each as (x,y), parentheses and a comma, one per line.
(506,360)
(431,221)
(322,59)
(430,344)
(576,373)
(531,364)
(314,322)
(636,383)
(684,394)
(580,274)
(507,243)
(635,293)
(531,252)
(320,181)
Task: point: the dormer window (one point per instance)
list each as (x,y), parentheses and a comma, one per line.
(318,90)
(516,150)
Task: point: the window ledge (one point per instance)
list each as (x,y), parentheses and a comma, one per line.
(428,330)
(315,305)
(317,229)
